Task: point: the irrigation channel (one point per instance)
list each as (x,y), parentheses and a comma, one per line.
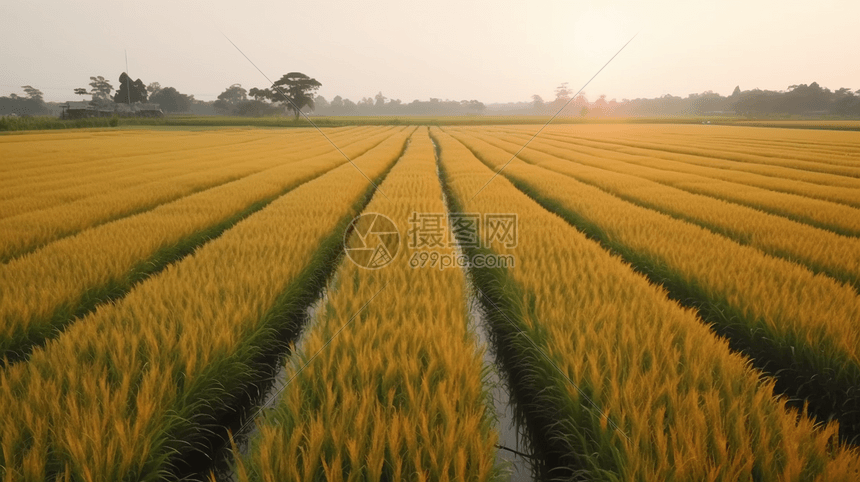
(269,395)
(513,447)
(214,455)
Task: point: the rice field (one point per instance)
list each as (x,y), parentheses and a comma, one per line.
(659,302)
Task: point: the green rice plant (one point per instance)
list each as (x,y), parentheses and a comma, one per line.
(48,289)
(8,123)
(819,250)
(388,381)
(29,187)
(828,187)
(797,325)
(133,388)
(620,382)
(29,231)
(839,218)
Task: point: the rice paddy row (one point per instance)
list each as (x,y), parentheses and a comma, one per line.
(820,250)
(29,231)
(127,390)
(828,187)
(780,313)
(49,288)
(135,326)
(388,384)
(618,398)
(839,218)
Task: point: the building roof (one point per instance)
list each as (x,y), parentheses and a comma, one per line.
(113,107)
(78,105)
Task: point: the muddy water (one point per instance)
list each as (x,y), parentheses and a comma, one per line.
(513,449)
(271,392)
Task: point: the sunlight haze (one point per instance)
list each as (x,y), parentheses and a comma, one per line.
(492,51)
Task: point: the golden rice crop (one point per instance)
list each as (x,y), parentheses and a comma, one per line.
(43,190)
(654,139)
(820,250)
(782,313)
(29,154)
(130,387)
(829,187)
(601,143)
(397,394)
(44,290)
(685,406)
(839,218)
(49,158)
(28,231)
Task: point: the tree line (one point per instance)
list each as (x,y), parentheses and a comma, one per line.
(295,93)
(798,100)
(129,92)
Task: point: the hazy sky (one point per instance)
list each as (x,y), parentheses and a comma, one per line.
(493,51)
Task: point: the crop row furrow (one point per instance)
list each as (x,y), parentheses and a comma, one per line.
(132,389)
(153,172)
(819,250)
(92,152)
(388,382)
(622,382)
(44,291)
(782,315)
(838,189)
(66,175)
(749,158)
(716,167)
(839,218)
(30,231)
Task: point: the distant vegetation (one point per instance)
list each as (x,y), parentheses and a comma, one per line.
(50,122)
(236,105)
(280,121)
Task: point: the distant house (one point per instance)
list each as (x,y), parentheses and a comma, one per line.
(83,110)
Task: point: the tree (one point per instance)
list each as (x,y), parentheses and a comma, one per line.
(129,91)
(260,94)
(562,92)
(255,108)
(537,102)
(380,100)
(365,104)
(321,102)
(473,106)
(234,94)
(81,91)
(32,104)
(295,90)
(101,88)
(171,100)
(349,106)
(153,87)
(230,98)
(33,93)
